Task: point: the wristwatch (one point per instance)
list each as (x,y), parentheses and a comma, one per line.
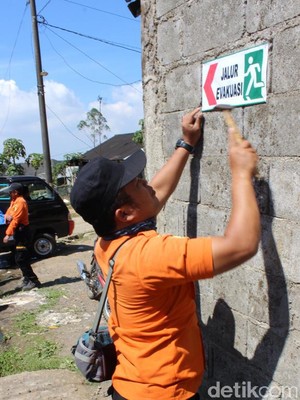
(186,146)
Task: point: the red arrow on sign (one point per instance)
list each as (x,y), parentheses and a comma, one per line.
(207,85)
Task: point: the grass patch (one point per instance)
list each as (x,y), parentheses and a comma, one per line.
(26,322)
(39,355)
(34,352)
(52,298)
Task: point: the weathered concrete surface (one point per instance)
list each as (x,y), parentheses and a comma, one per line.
(250,317)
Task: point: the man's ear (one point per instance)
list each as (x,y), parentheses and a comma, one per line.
(125,214)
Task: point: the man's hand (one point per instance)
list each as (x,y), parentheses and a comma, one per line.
(6,239)
(243,158)
(8,219)
(191,126)
(166,179)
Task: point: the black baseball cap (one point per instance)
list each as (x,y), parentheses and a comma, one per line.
(98,184)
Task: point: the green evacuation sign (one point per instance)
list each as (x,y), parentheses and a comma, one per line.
(239,79)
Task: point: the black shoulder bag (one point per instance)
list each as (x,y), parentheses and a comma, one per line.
(95,354)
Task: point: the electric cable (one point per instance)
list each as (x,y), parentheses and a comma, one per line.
(67,129)
(121,45)
(80,74)
(47,26)
(49,1)
(103,11)
(95,61)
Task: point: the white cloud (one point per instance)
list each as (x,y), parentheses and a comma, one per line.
(125,110)
(20,116)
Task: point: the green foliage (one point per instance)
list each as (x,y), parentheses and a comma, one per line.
(138,136)
(14,169)
(95,123)
(70,159)
(43,349)
(26,323)
(58,169)
(2,164)
(73,158)
(52,298)
(36,160)
(13,150)
(38,355)
(10,360)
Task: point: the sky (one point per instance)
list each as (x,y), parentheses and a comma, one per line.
(97,64)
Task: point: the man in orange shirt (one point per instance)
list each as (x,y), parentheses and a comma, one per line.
(16,217)
(153,314)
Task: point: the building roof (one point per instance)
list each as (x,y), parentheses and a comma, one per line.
(118,147)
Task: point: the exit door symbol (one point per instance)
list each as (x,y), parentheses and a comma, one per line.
(253,75)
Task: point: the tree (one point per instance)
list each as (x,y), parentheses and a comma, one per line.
(2,164)
(95,123)
(58,169)
(138,136)
(13,150)
(70,160)
(73,162)
(14,169)
(73,159)
(36,160)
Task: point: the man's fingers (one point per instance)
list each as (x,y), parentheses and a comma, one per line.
(197,117)
(192,116)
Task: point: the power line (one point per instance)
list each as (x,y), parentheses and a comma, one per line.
(67,129)
(80,74)
(123,46)
(95,61)
(48,2)
(97,9)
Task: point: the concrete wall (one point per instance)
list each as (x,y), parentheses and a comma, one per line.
(250,316)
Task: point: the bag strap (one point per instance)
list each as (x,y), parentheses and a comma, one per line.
(105,289)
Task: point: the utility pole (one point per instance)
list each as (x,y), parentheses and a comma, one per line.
(41,94)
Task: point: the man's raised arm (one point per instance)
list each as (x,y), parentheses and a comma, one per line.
(166,179)
(242,234)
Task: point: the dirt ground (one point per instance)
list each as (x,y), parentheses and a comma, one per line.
(65,322)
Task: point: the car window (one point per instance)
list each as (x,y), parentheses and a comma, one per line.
(4,196)
(37,191)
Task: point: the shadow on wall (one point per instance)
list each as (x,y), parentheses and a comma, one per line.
(227,368)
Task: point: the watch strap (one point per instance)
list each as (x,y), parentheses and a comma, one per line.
(184,145)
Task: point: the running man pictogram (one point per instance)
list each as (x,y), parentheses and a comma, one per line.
(252,77)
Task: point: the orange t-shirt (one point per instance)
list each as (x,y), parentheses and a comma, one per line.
(153,322)
(18,210)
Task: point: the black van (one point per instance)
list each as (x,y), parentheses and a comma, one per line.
(49,217)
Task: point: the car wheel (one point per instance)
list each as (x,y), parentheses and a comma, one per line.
(44,245)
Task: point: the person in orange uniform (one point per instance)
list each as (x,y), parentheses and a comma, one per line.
(16,217)
(153,320)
